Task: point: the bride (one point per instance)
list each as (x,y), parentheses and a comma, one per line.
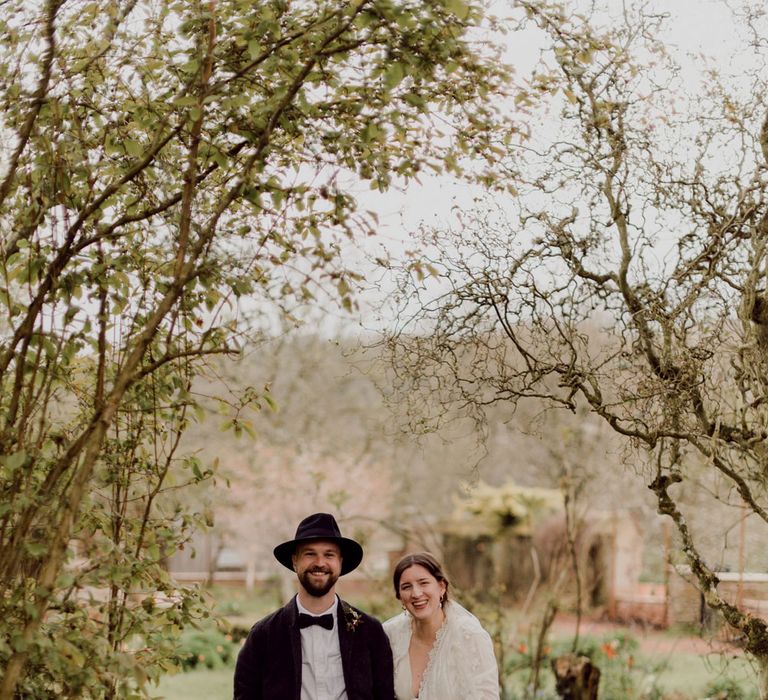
(441,652)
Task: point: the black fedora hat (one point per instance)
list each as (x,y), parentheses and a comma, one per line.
(321,526)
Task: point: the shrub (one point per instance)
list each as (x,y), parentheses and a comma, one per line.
(728,689)
(238,632)
(622,673)
(209,648)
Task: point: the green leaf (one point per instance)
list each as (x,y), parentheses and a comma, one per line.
(458,8)
(15,460)
(253,195)
(254,48)
(394,75)
(112,146)
(370,132)
(271,402)
(190,67)
(132,148)
(65,580)
(185,101)
(35,549)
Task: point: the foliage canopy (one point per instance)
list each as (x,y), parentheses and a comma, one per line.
(162,163)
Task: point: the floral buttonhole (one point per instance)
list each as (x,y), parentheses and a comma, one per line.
(351,617)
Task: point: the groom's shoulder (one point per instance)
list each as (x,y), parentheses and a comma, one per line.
(355,619)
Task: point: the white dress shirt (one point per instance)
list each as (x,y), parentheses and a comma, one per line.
(322,675)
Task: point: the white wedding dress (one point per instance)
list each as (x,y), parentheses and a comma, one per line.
(461,665)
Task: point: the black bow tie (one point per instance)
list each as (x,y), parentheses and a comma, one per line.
(322,620)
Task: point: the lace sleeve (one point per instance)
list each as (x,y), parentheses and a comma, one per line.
(470,658)
(479,670)
(398,631)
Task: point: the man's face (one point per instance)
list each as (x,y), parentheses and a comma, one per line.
(318,566)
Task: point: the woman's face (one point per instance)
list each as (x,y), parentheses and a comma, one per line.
(421,592)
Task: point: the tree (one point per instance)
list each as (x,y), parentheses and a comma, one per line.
(330,442)
(164,166)
(627,275)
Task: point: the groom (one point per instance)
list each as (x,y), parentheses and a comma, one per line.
(318,647)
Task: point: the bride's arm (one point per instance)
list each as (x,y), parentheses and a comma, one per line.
(481,672)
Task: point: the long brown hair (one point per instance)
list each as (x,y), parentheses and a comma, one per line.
(424,559)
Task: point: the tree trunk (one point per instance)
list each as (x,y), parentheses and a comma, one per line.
(575,677)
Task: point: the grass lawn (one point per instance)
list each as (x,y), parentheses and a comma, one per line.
(690,674)
(197,685)
(679,676)
(682,675)
(685,674)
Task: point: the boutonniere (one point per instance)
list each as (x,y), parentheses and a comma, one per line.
(351,617)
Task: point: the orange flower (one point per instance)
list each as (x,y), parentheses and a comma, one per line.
(522,648)
(608,649)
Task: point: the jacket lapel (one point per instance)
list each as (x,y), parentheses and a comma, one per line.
(346,644)
(295,635)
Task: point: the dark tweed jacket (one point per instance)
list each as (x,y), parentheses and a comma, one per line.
(269,664)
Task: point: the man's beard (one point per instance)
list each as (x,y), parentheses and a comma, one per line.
(317,590)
